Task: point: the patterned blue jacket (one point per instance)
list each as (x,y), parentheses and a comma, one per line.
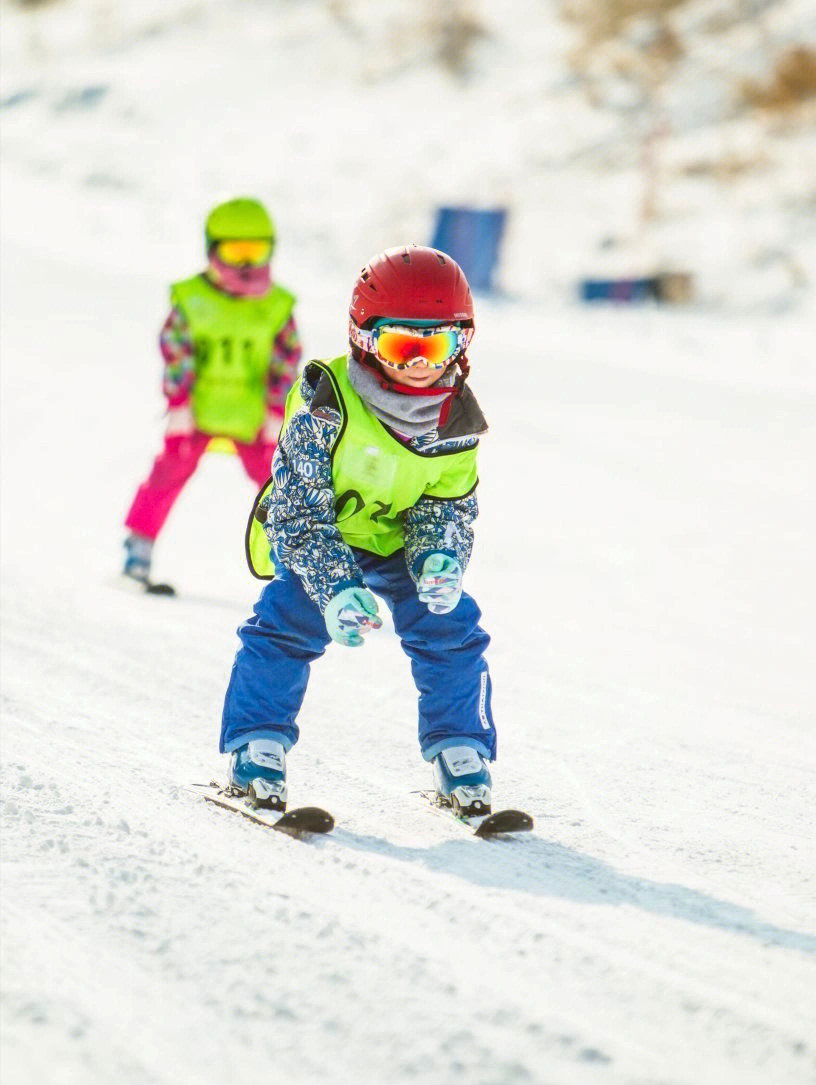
(301,524)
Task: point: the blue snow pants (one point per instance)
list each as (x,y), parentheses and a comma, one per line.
(287,632)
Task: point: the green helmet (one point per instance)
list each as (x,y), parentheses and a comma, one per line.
(239,219)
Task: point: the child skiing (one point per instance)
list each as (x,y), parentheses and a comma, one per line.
(373,490)
(231,349)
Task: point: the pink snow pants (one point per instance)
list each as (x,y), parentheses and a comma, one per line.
(173,467)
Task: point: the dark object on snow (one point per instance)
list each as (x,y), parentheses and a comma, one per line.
(620,290)
(675,287)
(472,238)
(671,288)
(159,589)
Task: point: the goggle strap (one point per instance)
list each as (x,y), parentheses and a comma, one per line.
(361,337)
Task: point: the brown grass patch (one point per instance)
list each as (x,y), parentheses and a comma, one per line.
(793,81)
(602,20)
(727,168)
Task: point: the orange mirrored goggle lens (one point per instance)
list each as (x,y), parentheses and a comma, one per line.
(401,349)
(244,251)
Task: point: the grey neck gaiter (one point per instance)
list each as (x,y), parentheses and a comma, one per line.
(409,415)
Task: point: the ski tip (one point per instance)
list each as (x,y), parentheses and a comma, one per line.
(306,819)
(160,589)
(505,821)
(299,822)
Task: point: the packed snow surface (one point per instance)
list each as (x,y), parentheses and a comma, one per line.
(644,562)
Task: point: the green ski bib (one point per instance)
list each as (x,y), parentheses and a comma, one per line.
(376,478)
(232,340)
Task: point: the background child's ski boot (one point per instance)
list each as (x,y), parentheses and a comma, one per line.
(138,555)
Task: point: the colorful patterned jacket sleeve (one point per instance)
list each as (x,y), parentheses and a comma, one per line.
(436,525)
(286,354)
(300,524)
(176,344)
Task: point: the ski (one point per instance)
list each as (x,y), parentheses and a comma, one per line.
(146,587)
(302,821)
(487,826)
(152,588)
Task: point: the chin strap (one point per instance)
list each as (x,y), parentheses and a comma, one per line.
(371,363)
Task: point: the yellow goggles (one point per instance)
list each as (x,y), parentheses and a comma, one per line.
(254,251)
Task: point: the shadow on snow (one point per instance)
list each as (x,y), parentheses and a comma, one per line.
(532,865)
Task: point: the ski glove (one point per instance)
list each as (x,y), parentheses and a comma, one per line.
(440,583)
(350,614)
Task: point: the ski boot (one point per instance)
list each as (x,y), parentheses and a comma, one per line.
(138,552)
(463,781)
(258,770)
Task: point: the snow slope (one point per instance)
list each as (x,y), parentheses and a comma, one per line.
(652,626)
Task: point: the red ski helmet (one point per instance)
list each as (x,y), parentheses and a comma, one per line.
(411,282)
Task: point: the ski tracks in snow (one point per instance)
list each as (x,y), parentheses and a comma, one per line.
(151,933)
(148,938)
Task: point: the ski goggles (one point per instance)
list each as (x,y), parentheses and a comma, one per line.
(253,251)
(403,347)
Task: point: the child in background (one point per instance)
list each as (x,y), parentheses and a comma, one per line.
(231,350)
(373,489)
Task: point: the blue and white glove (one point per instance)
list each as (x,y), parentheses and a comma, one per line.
(351,614)
(440,583)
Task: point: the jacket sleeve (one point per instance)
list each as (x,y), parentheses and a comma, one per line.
(300,524)
(176,345)
(439,525)
(286,355)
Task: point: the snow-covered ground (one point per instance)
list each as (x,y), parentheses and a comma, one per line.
(653,644)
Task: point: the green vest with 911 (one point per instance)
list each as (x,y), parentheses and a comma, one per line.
(375,477)
(232,343)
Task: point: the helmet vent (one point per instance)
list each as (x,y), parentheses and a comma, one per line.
(440,258)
